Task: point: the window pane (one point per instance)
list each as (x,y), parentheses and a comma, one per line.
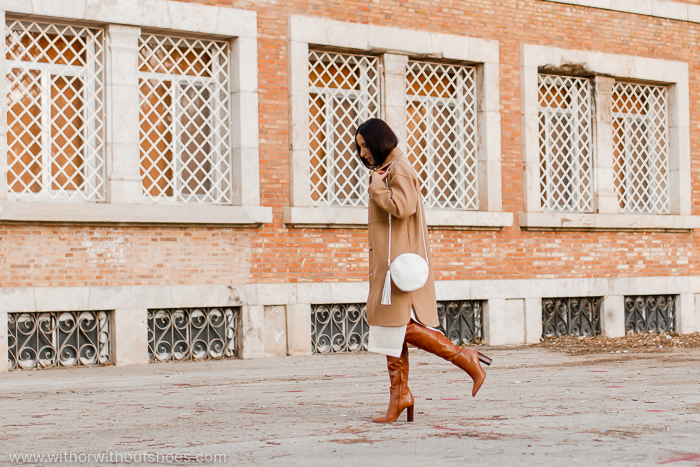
(640,148)
(442,132)
(24,135)
(565,144)
(184,120)
(67,146)
(343,93)
(55,111)
(156,137)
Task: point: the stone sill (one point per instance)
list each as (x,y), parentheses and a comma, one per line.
(356,218)
(610,222)
(105,213)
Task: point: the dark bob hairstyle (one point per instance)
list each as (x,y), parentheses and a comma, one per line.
(379,139)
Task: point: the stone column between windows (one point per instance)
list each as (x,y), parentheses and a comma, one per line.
(129,336)
(533,320)
(299,157)
(4,339)
(679,149)
(488,108)
(686,314)
(244,113)
(251,332)
(122,83)
(394,96)
(299,329)
(603,161)
(3,125)
(612,316)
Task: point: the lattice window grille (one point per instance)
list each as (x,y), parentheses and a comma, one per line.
(462,321)
(442,132)
(640,145)
(571,316)
(339,328)
(565,142)
(58,339)
(650,313)
(184,120)
(192,334)
(55,112)
(343,93)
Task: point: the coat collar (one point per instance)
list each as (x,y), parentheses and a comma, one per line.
(391,158)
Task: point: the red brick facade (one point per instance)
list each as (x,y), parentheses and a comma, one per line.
(48,255)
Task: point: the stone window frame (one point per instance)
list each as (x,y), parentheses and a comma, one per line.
(604,69)
(123,22)
(394,46)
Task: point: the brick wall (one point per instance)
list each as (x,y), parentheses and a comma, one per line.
(73,255)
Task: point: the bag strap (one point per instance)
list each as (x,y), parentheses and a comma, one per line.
(420,216)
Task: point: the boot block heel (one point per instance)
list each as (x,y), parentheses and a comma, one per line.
(409,413)
(484,359)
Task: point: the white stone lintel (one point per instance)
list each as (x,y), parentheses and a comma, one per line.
(360,36)
(134,214)
(161,14)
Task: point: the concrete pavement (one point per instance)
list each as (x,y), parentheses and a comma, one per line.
(536,407)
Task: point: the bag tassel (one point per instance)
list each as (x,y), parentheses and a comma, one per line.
(386,293)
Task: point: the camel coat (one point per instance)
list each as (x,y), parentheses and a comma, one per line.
(400,199)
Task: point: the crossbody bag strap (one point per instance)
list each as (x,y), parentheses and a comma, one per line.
(420,216)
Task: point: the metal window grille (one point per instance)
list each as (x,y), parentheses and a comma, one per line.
(55,111)
(640,148)
(343,93)
(571,316)
(343,327)
(192,334)
(462,321)
(184,120)
(58,339)
(442,132)
(565,144)
(650,313)
(339,328)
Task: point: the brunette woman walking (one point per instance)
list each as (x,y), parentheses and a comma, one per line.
(399,318)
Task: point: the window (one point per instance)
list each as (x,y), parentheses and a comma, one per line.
(640,148)
(565,144)
(442,133)
(184,120)
(55,112)
(343,93)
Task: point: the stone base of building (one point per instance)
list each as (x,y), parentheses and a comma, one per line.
(265,320)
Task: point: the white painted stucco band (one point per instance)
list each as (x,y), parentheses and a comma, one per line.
(504,298)
(30,299)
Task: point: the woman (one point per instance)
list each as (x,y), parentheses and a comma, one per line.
(411,317)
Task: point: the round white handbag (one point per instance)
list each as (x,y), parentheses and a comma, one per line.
(408,271)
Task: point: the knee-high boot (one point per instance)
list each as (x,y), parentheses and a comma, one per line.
(400,397)
(436,343)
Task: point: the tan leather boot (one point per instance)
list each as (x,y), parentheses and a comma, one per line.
(436,343)
(400,396)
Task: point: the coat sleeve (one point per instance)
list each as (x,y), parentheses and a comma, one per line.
(399,198)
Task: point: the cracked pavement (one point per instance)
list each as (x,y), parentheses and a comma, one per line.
(537,407)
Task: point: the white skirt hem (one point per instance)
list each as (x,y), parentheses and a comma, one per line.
(388,340)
